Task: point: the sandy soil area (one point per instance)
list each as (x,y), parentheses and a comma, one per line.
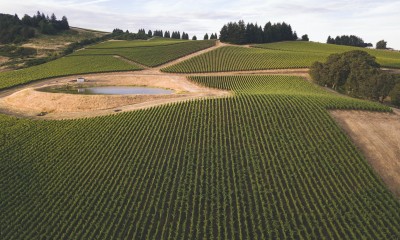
(29,103)
(378,137)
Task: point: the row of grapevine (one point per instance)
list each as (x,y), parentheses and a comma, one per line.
(231,58)
(63,67)
(137,43)
(287,85)
(151,56)
(262,164)
(386,58)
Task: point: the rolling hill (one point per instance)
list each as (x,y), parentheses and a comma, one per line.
(265,162)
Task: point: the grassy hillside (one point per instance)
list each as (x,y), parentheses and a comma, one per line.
(152,53)
(45,46)
(267,163)
(273,56)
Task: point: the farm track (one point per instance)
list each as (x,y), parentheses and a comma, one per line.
(131,61)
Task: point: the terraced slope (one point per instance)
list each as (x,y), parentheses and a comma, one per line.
(153,55)
(386,58)
(267,163)
(63,67)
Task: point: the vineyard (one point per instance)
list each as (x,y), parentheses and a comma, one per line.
(63,67)
(386,58)
(152,55)
(136,43)
(267,163)
(225,59)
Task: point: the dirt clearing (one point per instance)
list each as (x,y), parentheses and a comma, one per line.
(378,137)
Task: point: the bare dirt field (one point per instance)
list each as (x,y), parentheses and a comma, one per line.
(29,102)
(377,135)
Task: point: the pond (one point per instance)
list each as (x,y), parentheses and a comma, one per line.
(108,90)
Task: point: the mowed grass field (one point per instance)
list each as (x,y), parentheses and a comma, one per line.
(280,55)
(267,163)
(151,53)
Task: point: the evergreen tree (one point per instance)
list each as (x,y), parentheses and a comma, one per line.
(64,23)
(241,33)
(194,38)
(53,18)
(206,36)
(150,33)
(224,34)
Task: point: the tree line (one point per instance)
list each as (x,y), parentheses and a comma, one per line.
(141,34)
(15,30)
(355,73)
(242,33)
(348,41)
(212,37)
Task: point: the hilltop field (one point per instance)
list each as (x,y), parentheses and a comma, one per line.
(246,146)
(14,56)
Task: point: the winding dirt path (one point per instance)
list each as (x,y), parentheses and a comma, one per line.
(131,62)
(218,44)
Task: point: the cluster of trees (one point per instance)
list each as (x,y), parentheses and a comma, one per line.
(121,35)
(355,73)
(382,44)
(15,30)
(241,33)
(348,41)
(46,24)
(185,36)
(176,35)
(160,33)
(395,94)
(212,37)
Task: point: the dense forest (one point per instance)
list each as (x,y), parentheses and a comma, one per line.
(15,30)
(348,41)
(241,33)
